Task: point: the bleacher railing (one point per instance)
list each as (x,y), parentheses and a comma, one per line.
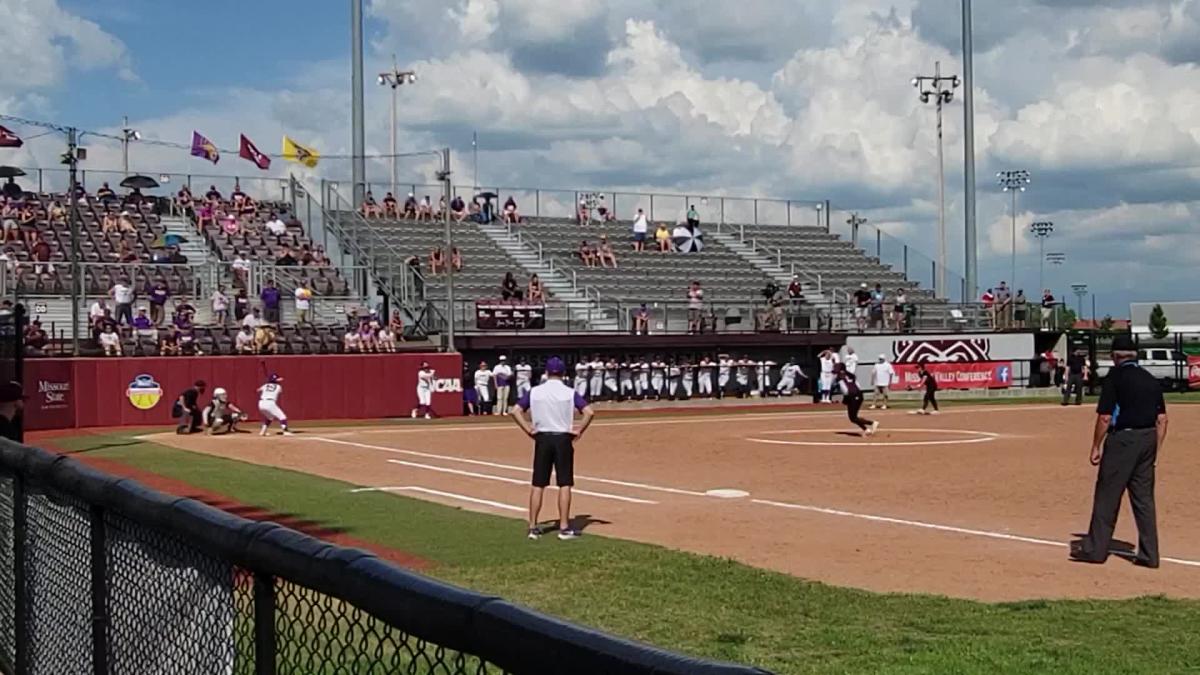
(104,575)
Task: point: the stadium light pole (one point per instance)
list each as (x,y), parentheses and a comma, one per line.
(1041,230)
(395,78)
(358,162)
(941,90)
(971,262)
(1012,182)
(445,177)
(1081,291)
(127,135)
(854,221)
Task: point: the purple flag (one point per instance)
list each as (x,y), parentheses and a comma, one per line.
(202,147)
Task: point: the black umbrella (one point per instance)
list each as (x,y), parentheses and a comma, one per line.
(139,182)
(488,195)
(10,172)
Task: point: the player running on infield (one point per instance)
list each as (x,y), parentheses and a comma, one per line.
(268,405)
(552,406)
(852,396)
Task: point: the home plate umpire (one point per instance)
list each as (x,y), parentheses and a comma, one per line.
(552,406)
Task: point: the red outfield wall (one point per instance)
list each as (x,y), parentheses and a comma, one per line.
(67,393)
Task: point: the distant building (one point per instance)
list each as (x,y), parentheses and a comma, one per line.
(1118,325)
(1182,317)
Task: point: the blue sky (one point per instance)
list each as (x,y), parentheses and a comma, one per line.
(728,97)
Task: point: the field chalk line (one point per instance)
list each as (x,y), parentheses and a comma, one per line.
(515,481)
(868,442)
(941,528)
(439,493)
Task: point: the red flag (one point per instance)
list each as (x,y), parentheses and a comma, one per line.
(9,140)
(248,151)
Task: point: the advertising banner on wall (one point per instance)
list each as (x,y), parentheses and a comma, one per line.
(509,316)
(141,391)
(960,348)
(994,375)
(1193,372)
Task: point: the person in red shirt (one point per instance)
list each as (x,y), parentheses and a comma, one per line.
(989,305)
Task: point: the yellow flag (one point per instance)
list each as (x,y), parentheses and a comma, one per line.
(295,152)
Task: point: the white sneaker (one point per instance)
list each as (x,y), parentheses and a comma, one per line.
(285,432)
(932,412)
(872,406)
(263,432)
(414,414)
(874,428)
(428,416)
(883,407)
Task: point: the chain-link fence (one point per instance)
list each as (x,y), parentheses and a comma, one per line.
(102,575)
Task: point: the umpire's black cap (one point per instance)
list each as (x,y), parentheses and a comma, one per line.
(11,391)
(1123,343)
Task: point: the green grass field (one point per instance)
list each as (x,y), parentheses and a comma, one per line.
(707,606)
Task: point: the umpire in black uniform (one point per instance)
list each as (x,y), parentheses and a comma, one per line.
(1131,425)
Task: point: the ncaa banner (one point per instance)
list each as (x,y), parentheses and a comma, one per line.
(993,375)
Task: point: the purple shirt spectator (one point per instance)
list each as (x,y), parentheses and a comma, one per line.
(158,295)
(270,297)
(142,322)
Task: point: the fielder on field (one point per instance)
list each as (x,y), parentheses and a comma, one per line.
(425,377)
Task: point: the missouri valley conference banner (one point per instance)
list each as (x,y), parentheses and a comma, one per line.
(958,361)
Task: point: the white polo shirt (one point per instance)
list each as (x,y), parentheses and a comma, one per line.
(552,406)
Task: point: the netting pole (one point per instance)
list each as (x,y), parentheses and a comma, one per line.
(21,601)
(98,545)
(264,624)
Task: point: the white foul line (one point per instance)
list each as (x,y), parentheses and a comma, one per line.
(508,467)
(439,493)
(941,528)
(502,479)
(980,437)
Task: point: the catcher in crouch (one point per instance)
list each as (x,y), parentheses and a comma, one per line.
(221,415)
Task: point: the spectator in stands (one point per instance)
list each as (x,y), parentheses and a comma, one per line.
(230,227)
(276,226)
(663,236)
(36,339)
(8,258)
(641,320)
(181,318)
(105,194)
(877,298)
(693,217)
(370,209)
(285,259)
(39,251)
(213,193)
(237,196)
(175,256)
(352,341)
(28,225)
(12,190)
(270,301)
(241,306)
(264,339)
(110,342)
(134,198)
(125,223)
(187,336)
(109,224)
(605,253)
(386,339)
(366,336)
(603,212)
(183,199)
(244,342)
(58,215)
(390,207)
(456,259)
(458,209)
(303,296)
(305,256)
(474,213)
(988,299)
(220,306)
(248,209)
(183,306)
(169,344)
(535,292)
(9,214)
(899,310)
(319,258)
(583,214)
(241,267)
(425,209)
(437,261)
(253,320)
(410,206)
(640,226)
(1047,309)
(587,254)
(158,295)
(795,290)
(396,326)
(695,307)
(98,309)
(1020,309)
(125,253)
(511,216)
(206,217)
(102,321)
(143,326)
(509,289)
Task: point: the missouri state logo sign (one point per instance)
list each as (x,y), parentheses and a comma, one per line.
(144,393)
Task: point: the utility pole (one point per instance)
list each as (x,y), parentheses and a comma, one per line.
(447,187)
(358,162)
(942,90)
(971,263)
(854,222)
(1013,182)
(127,135)
(72,161)
(475,152)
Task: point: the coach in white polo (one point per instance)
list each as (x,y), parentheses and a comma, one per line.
(552,407)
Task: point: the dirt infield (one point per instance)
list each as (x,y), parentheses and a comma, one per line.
(977,503)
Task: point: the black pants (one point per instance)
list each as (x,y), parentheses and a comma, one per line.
(1075,384)
(853,405)
(553,451)
(1127,464)
(189,422)
(930,399)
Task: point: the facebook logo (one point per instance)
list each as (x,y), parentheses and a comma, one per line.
(1003,373)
